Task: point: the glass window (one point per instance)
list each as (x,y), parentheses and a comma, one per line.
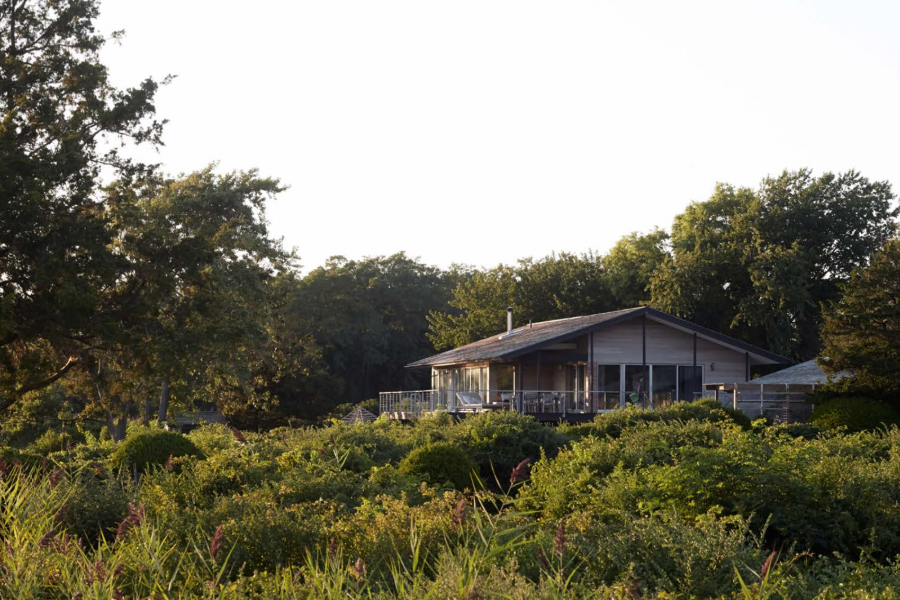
(475,380)
(635,385)
(665,382)
(506,378)
(609,377)
(690,382)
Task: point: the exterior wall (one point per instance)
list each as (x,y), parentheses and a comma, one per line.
(529,376)
(622,344)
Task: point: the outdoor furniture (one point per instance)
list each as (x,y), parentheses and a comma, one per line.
(469,402)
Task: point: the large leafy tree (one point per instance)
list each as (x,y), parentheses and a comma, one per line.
(199,267)
(631,264)
(61,121)
(554,287)
(861,333)
(759,263)
(368,318)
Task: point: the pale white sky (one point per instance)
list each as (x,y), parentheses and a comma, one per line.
(481,132)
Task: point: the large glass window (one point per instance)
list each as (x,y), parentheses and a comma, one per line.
(609,386)
(690,383)
(665,383)
(506,378)
(609,378)
(475,380)
(636,384)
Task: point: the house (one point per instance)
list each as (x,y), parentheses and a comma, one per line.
(574,368)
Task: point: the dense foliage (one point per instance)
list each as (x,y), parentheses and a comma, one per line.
(681,502)
(440,463)
(861,333)
(151,447)
(759,263)
(855,413)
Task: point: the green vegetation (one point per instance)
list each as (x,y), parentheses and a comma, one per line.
(151,447)
(854,413)
(681,502)
(440,463)
(861,333)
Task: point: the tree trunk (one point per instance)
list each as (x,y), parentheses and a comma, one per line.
(164,401)
(117,429)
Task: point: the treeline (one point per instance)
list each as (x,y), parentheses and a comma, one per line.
(136,292)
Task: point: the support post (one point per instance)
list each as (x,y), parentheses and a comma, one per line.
(540,398)
(644,353)
(694,370)
(520,400)
(591,374)
(746,366)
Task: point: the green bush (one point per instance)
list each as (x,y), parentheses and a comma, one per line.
(148,447)
(55,441)
(498,441)
(856,413)
(440,463)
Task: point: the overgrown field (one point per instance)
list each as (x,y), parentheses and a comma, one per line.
(684,502)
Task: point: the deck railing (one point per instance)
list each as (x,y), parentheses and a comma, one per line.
(413,404)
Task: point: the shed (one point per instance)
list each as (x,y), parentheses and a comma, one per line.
(780,396)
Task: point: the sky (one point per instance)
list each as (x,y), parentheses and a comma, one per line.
(480,132)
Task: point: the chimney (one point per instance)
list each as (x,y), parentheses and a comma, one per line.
(509,319)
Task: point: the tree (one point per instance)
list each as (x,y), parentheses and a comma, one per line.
(368,318)
(631,264)
(759,264)
(861,332)
(554,287)
(60,119)
(196,286)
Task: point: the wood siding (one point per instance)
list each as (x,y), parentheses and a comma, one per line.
(621,344)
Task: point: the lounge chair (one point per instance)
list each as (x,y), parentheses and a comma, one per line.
(469,402)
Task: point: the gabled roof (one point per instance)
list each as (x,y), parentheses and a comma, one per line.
(359,415)
(529,338)
(806,373)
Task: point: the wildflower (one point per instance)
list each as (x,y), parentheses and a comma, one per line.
(238,436)
(4,468)
(520,473)
(61,514)
(559,542)
(459,514)
(78,596)
(47,538)
(634,589)
(215,543)
(541,558)
(770,560)
(95,572)
(56,475)
(332,547)
(169,465)
(135,517)
(117,595)
(359,572)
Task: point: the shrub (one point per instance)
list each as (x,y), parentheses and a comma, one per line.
(504,439)
(440,463)
(54,441)
(95,506)
(614,423)
(856,413)
(151,447)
